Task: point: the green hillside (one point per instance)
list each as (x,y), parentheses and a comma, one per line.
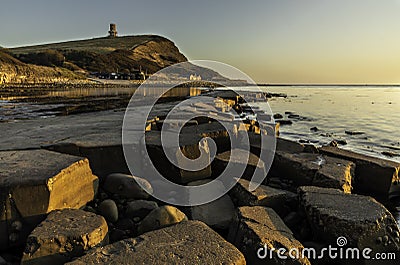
(120,54)
(99,45)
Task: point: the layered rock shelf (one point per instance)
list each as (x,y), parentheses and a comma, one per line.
(68,197)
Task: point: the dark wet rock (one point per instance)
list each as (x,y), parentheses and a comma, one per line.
(253,163)
(216,214)
(190,242)
(310,148)
(277,199)
(336,143)
(139,208)
(373,176)
(288,146)
(341,141)
(35,182)
(275,95)
(278,116)
(314,129)
(360,219)
(333,143)
(294,116)
(313,169)
(64,234)
(127,186)
(161,217)
(390,154)
(256,227)
(109,210)
(353,132)
(327,134)
(284,122)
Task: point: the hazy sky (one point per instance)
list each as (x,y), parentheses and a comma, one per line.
(273,41)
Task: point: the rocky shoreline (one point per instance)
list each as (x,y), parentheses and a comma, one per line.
(66,196)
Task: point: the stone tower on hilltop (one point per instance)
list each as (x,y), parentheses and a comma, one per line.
(112,33)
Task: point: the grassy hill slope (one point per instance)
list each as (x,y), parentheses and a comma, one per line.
(121,54)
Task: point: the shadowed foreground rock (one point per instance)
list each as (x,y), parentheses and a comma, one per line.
(190,148)
(362,220)
(218,213)
(190,242)
(33,183)
(221,161)
(256,227)
(373,176)
(127,186)
(63,235)
(161,217)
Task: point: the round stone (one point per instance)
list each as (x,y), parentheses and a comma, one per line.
(109,210)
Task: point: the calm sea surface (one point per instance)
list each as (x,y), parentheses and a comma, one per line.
(372,111)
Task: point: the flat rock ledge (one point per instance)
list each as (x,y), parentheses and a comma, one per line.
(258,228)
(373,176)
(361,219)
(277,199)
(190,242)
(314,169)
(36,182)
(63,235)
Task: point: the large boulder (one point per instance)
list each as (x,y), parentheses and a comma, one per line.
(282,145)
(260,235)
(139,208)
(221,162)
(218,213)
(314,169)
(190,147)
(127,186)
(190,242)
(161,217)
(373,176)
(36,182)
(279,200)
(361,220)
(64,234)
(109,210)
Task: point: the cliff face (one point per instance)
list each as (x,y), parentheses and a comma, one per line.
(157,54)
(15,71)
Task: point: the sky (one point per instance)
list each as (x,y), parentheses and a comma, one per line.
(273,41)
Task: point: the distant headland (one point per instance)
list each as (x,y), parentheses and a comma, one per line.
(110,57)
